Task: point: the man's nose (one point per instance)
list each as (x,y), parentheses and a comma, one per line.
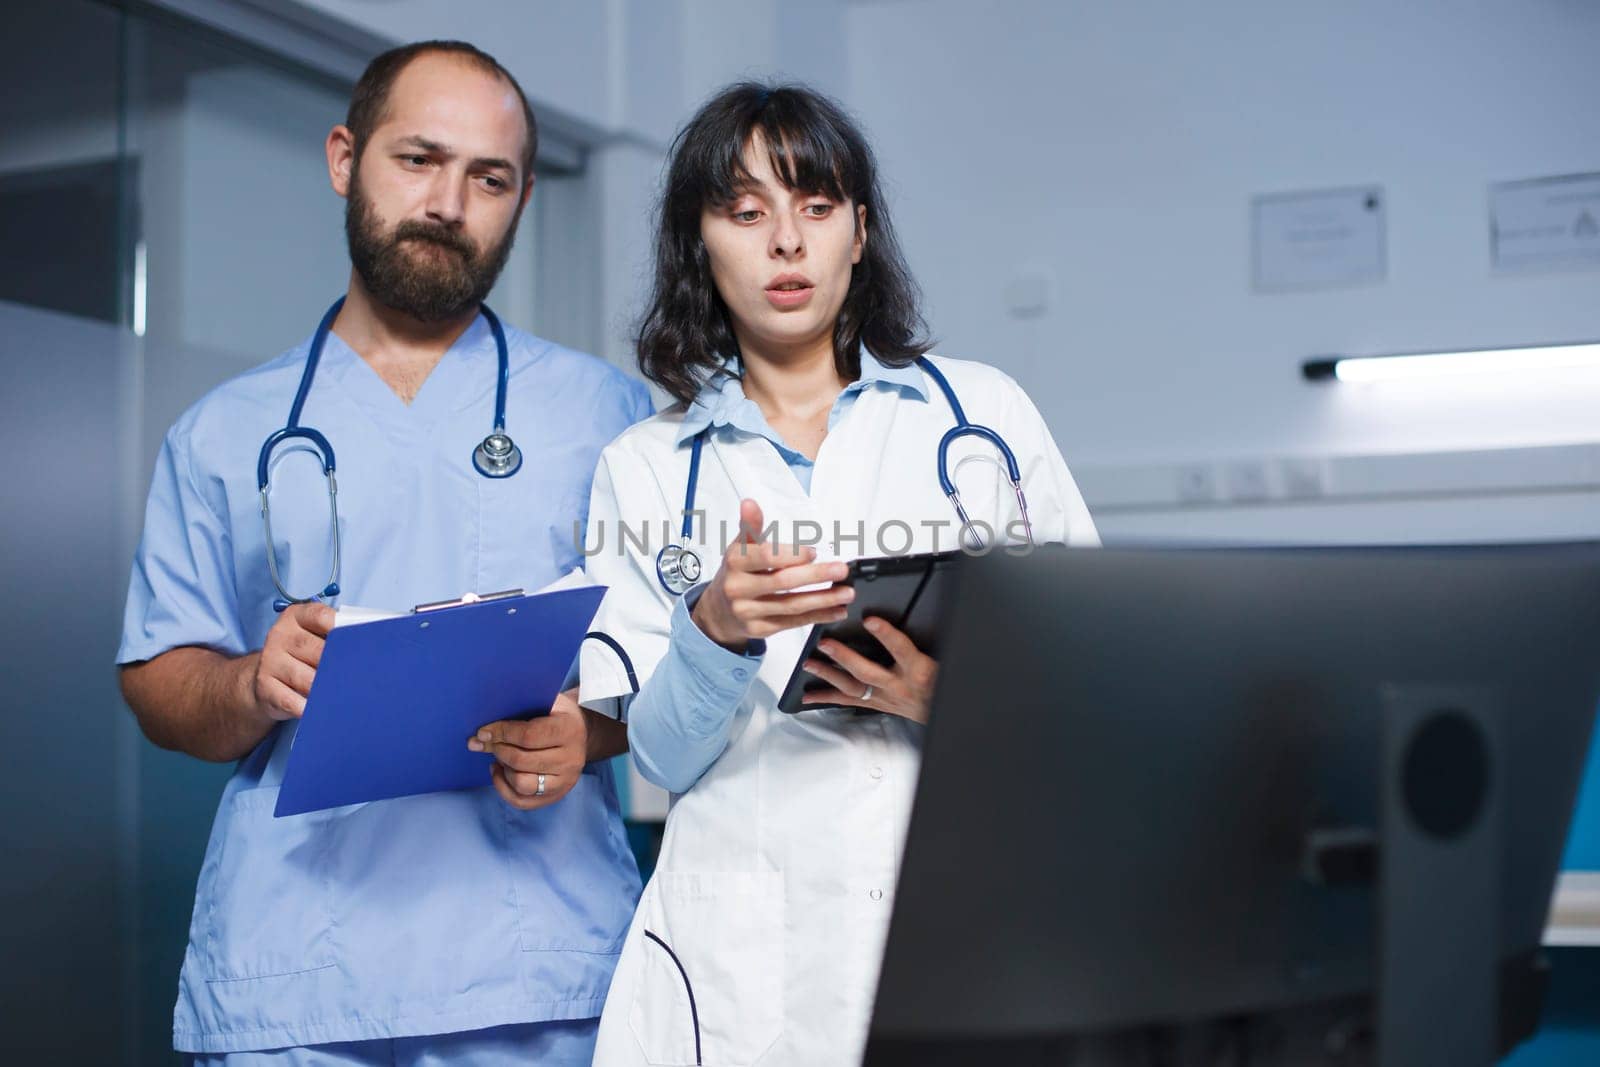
(447,198)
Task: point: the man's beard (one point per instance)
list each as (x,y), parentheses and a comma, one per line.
(431,287)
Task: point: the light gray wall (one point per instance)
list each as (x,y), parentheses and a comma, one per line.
(623,68)
(1114,149)
(560,50)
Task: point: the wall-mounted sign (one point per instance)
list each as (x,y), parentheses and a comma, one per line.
(1545,224)
(1318,240)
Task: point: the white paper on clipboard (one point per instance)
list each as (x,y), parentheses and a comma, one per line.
(353,614)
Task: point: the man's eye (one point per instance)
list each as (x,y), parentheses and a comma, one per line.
(416,161)
(493,183)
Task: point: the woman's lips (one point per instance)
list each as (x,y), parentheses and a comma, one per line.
(787,299)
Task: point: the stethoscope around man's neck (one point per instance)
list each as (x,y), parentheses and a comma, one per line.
(496,456)
(678,566)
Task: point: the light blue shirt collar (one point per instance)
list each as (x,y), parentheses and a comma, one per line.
(721,401)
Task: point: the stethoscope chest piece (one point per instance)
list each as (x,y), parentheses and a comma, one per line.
(678,568)
(497,456)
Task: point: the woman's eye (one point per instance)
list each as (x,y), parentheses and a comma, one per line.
(746,216)
(819,211)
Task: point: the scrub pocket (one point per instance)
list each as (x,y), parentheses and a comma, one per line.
(710,986)
(267,901)
(575,880)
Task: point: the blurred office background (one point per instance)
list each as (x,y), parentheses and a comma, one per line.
(1078,186)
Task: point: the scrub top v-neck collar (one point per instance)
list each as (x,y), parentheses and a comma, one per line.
(470,357)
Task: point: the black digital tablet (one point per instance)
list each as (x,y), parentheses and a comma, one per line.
(907,591)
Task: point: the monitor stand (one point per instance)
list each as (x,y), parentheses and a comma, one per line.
(1441,820)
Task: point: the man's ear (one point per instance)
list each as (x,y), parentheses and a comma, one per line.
(527,191)
(860,243)
(341,149)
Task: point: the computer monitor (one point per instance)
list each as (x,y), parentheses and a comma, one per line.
(1275,801)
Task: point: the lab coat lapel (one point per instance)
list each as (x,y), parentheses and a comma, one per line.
(869,470)
(756,470)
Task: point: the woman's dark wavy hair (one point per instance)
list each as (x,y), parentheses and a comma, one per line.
(686,335)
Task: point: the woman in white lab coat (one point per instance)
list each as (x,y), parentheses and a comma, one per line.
(785,324)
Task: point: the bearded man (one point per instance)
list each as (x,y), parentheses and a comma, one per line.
(473,927)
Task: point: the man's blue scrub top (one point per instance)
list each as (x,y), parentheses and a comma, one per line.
(426,914)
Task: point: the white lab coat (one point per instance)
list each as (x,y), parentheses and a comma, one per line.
(771,899)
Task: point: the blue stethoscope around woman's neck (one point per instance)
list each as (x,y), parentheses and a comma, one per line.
(496,456)
(678,566)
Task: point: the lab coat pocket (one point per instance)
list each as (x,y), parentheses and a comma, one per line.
(575,880)
(267,912)
(711,984)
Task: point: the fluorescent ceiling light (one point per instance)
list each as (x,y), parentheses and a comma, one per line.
(1442,364)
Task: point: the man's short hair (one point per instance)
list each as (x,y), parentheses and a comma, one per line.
(370,99)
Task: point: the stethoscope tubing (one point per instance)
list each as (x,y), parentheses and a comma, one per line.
(503,461)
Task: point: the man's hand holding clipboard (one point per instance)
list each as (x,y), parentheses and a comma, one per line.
(395,699)
(537,761)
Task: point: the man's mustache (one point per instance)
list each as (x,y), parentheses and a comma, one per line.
(439,235)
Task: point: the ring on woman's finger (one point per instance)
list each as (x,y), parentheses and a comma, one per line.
(538,787)
(866,695)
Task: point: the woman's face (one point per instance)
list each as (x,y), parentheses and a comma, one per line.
(781,259)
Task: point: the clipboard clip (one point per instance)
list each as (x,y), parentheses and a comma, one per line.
(464,600)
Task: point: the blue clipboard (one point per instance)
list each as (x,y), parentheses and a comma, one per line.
(394,701)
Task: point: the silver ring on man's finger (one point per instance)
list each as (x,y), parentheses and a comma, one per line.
(538,786)
(866,696)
